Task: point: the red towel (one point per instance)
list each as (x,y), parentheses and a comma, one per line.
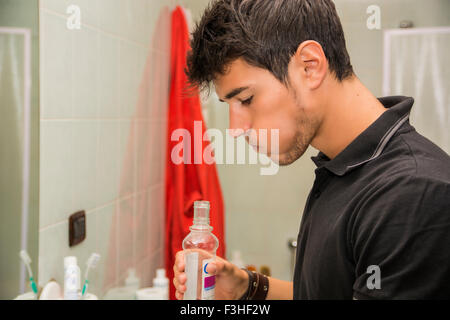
(186,183)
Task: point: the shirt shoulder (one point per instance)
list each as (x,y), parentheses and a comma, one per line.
(409,159)
(428,159)
(403,228)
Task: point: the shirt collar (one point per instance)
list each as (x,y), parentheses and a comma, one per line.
(372,141)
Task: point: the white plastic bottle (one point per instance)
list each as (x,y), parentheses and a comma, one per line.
(71,278)
(162,282)
(132,281)
(200,247)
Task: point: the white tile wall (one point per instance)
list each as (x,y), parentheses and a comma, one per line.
(103,120)
(56,66)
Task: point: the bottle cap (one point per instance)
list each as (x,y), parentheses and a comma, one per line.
(70,261)
(160,273)
(132,279)
(201,204)
(132,273)
(161,280)
(201,212)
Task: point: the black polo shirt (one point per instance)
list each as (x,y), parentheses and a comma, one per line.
(383,202)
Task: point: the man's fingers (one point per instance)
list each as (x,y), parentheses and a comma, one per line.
(179,262)
(218,266)
(179,295)
(182,278)
(212,268)
(179,279)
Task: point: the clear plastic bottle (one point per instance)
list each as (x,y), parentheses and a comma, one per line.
(200,247)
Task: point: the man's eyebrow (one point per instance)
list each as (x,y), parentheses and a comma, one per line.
(234,92)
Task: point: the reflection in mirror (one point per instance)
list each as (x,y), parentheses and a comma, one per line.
(19,139)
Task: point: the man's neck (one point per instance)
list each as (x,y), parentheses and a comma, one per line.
(351,109)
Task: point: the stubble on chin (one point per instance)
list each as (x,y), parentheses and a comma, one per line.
(304,135)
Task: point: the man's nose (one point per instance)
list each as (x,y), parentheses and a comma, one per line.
(239,123)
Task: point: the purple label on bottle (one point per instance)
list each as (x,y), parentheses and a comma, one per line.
(209,282)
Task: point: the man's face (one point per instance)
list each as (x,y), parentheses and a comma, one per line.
(257,100)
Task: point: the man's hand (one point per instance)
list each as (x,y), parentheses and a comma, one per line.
(231,282)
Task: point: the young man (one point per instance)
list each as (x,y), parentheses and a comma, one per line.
(377,220)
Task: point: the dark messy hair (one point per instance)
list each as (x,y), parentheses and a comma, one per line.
(266,34)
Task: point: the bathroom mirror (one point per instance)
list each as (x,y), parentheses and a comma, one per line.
(84,108)
(19,143)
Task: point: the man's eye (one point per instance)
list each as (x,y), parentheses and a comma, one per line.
(248,101)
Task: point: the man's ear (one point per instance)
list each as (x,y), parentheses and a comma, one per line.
(311,63)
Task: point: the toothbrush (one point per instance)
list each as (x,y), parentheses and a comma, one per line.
(90,264)
(27,261)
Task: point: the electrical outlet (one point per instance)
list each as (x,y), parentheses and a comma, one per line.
(77,228)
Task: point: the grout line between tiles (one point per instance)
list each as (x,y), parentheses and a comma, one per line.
(154,120)
(115,201)
(105,32)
